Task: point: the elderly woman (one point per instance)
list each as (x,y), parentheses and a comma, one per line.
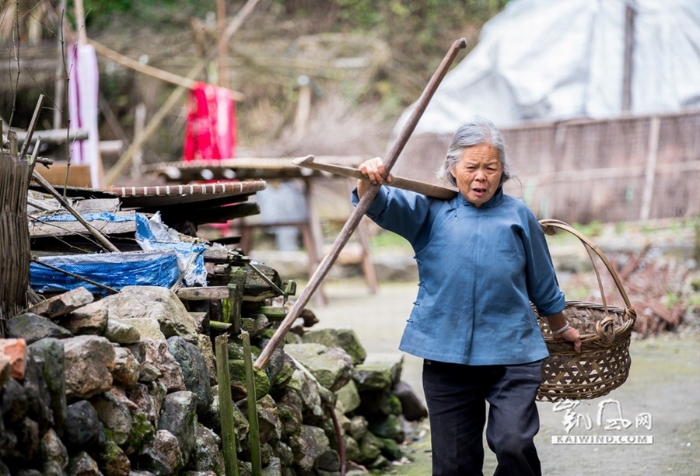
(482,260)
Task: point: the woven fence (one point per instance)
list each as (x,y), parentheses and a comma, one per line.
(623,169)
(14,236)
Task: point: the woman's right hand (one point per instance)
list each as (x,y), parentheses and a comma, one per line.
(375,172)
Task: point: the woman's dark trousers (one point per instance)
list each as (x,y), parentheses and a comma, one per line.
(456,396)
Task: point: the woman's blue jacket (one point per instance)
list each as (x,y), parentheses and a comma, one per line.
(479,269)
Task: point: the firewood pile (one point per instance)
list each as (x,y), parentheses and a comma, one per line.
(661,290)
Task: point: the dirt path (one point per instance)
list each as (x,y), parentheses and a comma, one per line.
(663,387)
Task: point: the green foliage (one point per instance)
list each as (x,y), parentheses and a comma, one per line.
(387,240)
(591,229)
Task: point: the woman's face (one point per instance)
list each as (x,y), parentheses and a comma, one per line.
(478,173)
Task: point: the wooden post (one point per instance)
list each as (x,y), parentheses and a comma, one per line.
(60,84)
(222,46)
(254,431)
(228,429)
(301,118)
(650,173)
(139,120)
(629,57)
(80,22)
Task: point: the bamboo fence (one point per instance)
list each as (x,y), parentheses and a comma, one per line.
(633,168)
(15,255)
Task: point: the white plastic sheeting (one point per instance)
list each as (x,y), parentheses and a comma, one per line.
(550,60)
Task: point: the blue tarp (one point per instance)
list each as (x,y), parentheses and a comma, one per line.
(164,258)
(116,270)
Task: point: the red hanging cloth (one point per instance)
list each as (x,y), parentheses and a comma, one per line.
(211,124)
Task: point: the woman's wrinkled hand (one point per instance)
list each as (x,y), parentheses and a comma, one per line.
(573,336)
(376,173)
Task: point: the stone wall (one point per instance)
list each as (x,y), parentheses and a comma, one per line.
(126,385)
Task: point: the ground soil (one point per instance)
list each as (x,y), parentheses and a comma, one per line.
(664,383)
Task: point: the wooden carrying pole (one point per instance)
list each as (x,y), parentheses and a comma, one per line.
(362,206)
(428,189)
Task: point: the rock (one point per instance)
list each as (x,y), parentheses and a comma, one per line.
(344,338)
(284,453)
(238,380)
(63,303)
(4,370)
(89,361)
(14,350)
(370,449)
(205,347)
(332,367)
(412,408)
(329,461)
(194,367)
(289,411)
(255,325)
(352,449)
(373,377)
(307,389)
(148,328)
(27,446)
(114,415)
(148,398)
(307,446)
(83,428)
(32,327)
(82,465)
(179,417)
(163,457)
(88,320)
(13,402)
(269,423)
(150,302)
(390,427)
(121,332)
(49,354)
(38,398)
(142,433)
(113,461)
(53,454)
(348,397)
(156,353)
(357,427)
(127,369)
(206,456)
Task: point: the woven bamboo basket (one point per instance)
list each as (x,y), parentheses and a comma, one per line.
(604,361)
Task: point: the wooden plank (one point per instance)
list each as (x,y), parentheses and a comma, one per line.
(39,229)
(215,293)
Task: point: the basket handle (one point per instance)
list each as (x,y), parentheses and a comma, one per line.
(549,226)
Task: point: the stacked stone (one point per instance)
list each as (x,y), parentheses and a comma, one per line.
(126,385)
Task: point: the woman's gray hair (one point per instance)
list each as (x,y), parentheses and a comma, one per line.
(474,132)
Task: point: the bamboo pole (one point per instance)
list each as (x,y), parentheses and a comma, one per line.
(175,96)
(361,207)
(185,82)
(254,432)
(221,20)
(228,429)
(650,169)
